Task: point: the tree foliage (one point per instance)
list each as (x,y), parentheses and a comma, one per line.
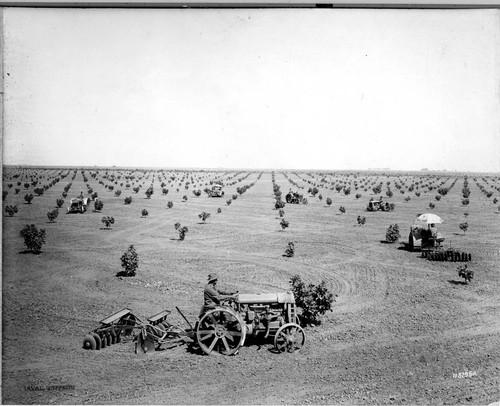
(130,262)
(108,220)
(465,273)
(392,234)
(33,238)
(52,215)
(314,300)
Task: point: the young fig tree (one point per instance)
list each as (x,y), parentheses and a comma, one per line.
(130,262)
(33,238)
(11,210)
(204,216)
(52,215)
(107,221)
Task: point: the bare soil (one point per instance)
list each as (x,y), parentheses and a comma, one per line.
(403,330)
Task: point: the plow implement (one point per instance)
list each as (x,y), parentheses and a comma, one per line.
(449,255)
(112,329)
(157,333)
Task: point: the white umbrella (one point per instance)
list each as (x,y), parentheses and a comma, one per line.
(428,218)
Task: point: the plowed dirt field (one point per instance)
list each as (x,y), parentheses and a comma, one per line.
(403,330)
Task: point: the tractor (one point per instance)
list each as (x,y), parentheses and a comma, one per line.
(225,328)
(216,191)
(78,205)
(376,205)
(295,198)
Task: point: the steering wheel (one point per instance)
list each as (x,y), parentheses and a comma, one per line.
(230,301)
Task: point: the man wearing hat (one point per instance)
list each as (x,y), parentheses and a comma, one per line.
(212,295)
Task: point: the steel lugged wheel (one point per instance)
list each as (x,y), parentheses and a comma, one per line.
(289,338)
(222,331)
(89,342)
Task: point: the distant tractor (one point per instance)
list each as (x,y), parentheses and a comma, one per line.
(78,205)
(376,205)
(216,191)
(295,198)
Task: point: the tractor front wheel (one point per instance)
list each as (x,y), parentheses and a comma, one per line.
(289,338)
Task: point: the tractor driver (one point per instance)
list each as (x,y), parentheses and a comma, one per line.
(212,295)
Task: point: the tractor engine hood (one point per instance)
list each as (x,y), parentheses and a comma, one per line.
(266,298)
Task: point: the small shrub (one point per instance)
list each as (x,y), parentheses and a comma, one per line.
(290,250)
(466,214)
(28,198)
(98,205)
(495,200)
(128,200)
(52,215)
(320,197)
(204,216)
(144,213)
(431,205)
(170,204)
(33,238)
(437,197)
(219,210)
(279,204)
(284,224)
(184,198)
(407,198)
(281,212)
(164,191)
(65,194)
(39,191)
(464,272)
(11,210)
(108,220)
(328,202)
(465,202)
(342,209)
(130,262)
(463,226)
(17,190)
(314,301)
(118,192)
(361,220)
(228,202)
(182,230)
(59,203)
(358,195)
(149,192)
(234,197)
(392,234)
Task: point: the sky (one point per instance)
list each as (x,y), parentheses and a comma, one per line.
(326,89)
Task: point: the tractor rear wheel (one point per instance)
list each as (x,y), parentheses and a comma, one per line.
(220,330)
(290,338)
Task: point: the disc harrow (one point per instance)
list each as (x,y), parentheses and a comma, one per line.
(449,255)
